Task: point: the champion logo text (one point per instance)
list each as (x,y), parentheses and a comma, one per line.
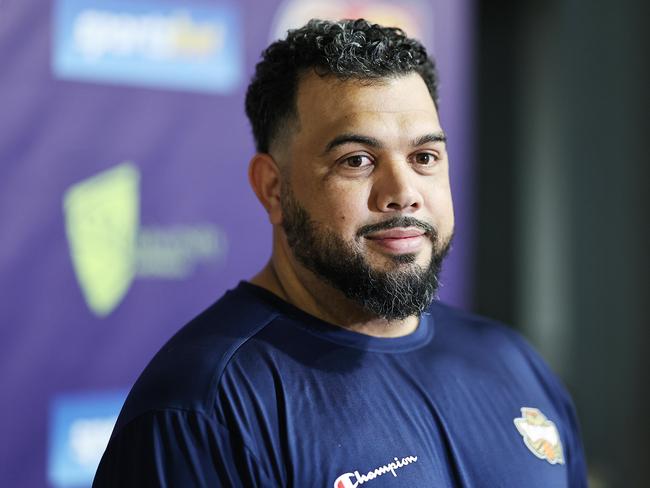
(352,480)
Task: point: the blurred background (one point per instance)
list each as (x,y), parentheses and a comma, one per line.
(562,171)
(125,208)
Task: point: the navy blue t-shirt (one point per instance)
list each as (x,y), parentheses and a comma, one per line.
(255,392)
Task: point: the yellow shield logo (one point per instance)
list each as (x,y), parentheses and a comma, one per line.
(102,218)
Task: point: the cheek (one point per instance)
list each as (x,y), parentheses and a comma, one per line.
(342,211)
(441,208)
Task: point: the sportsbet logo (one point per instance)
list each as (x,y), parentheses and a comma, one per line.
(80,427)
(109,249)
(182,45)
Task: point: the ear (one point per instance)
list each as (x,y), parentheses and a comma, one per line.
(264,177)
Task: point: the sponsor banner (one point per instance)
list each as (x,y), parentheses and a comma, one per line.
(126,210)
(80,427)
(155,44)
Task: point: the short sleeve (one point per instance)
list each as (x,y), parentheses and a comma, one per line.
(177,448)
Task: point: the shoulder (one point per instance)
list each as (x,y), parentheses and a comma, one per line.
(184,374)
(468,330)
(497,349)
(490,341)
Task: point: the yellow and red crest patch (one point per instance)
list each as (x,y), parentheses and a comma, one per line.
(540,435)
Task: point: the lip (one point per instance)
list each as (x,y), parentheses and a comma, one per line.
(398,240)
(397,233)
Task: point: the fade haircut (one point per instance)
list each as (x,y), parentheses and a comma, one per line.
(347,50)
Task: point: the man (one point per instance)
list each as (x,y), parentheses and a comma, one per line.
(332,366)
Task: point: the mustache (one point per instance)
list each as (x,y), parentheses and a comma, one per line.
(403,221)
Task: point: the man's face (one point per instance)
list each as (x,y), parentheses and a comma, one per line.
(368,205)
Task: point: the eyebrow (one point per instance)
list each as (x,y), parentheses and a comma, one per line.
(427,138)
(347,138)
(372,142)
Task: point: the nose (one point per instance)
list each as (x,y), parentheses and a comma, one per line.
(395,189)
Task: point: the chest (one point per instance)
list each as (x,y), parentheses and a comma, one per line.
(391,425)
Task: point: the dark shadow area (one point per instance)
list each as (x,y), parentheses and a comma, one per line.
(563,207)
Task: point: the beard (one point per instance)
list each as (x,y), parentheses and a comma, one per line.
(404,290)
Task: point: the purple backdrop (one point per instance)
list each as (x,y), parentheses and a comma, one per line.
(124,203)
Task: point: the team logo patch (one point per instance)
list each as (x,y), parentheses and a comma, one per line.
(540,435)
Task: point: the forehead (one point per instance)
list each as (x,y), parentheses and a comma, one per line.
(389,108)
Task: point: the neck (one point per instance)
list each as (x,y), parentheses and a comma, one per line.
(290,281)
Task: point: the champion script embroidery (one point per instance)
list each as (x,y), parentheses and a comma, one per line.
(352,480)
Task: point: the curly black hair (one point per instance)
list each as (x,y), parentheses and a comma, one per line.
(348,49)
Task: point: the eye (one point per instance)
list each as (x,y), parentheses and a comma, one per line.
(357,161)
(426,159)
